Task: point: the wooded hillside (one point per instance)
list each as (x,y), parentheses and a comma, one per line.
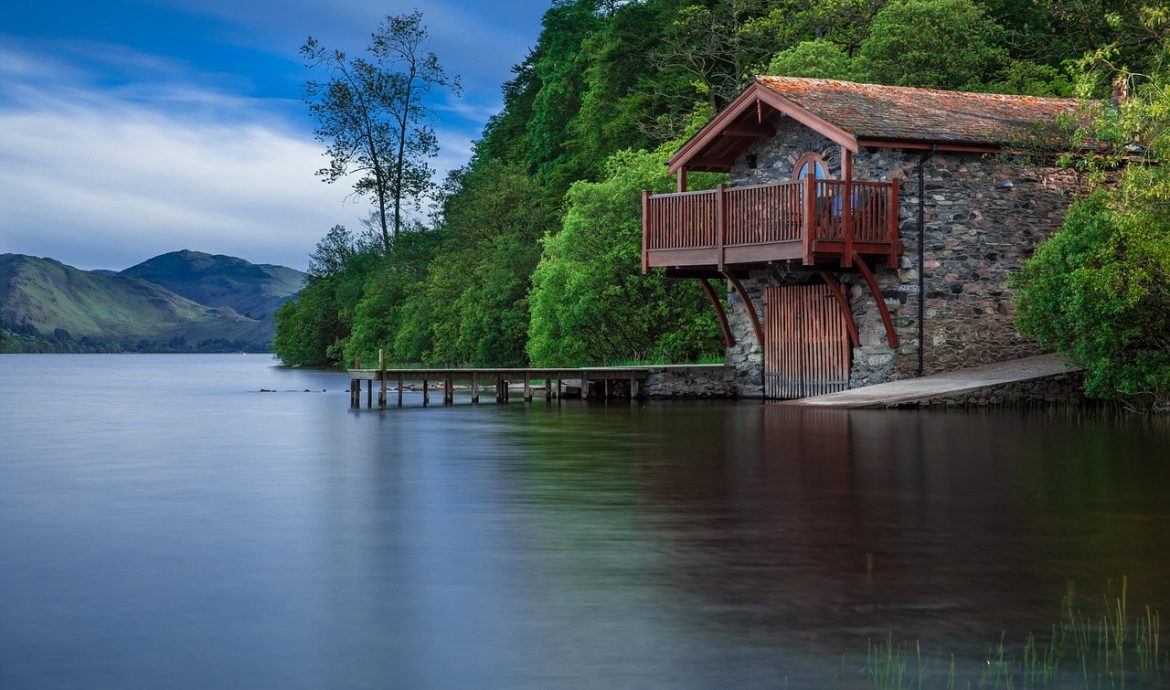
(533,255)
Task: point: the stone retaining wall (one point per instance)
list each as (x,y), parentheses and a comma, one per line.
(690,382)
(1063,389)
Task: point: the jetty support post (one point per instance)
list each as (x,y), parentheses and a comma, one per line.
(527,388)
(474,388)
(548,389)
(560,390)
(400,383)
(426,393)
(369,393)
(355,392)
(382,380)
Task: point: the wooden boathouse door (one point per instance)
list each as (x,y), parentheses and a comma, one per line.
(806,340)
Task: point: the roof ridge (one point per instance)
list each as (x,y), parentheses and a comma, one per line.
(913,89)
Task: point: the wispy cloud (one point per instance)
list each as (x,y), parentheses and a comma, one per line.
(105,180)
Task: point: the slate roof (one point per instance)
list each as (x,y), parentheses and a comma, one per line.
(873,111)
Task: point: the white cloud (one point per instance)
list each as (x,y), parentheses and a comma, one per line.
(102,182)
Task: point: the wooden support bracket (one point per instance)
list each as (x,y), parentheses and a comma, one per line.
(891,336)
(728,338)
(751,308)
(843,302)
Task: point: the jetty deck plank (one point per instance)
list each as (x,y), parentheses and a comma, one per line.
(940,385)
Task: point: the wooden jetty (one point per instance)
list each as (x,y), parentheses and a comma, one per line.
(594,382)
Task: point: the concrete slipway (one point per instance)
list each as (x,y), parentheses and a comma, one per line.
(945,385)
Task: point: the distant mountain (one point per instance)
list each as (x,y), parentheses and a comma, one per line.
(46,305)
(254,290)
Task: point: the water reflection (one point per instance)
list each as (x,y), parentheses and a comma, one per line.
(236,540)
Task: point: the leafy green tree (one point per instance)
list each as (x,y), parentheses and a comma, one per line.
(819,58)
(373,116)
(590,302)
(314,328)
(1099,289)
(942,44)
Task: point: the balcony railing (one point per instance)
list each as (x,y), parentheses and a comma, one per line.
(808,220)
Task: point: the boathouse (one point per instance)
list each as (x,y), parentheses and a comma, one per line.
(868,232)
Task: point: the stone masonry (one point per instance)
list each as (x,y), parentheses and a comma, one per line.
(984,216)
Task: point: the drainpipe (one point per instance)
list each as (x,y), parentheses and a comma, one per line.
(922,256)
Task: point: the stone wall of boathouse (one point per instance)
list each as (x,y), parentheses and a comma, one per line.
(984,216)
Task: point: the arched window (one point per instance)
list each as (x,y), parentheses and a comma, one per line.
(811,164)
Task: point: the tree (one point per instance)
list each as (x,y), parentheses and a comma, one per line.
(818,58)
(1098,290)
(939,44)
(372,114)
(589,302)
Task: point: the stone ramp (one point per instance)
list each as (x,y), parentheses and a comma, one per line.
(943,385)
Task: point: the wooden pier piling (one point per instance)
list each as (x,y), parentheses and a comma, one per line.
(599,383)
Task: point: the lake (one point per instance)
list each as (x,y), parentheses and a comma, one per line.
(165,524)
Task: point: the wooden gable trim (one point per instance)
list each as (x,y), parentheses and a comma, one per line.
(752,96)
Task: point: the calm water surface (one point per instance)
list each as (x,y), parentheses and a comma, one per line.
(165,524)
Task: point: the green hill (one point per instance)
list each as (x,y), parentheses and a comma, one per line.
(254,290)
(46,305)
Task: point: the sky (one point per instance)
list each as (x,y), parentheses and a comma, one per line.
(131,128)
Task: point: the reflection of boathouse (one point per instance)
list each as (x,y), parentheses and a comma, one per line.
(871,228)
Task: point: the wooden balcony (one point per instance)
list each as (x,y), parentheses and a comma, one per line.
(816,222)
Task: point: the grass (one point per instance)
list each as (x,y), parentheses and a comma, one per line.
(1112,651)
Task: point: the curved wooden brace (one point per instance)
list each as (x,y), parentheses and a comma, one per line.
(839,295)
(728,338)
(751,308)
(891,336)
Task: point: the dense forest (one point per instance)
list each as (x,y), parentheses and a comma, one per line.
(532,253)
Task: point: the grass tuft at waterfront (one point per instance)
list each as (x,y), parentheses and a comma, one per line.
(1111,651)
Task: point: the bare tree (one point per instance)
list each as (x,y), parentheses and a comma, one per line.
(373,116)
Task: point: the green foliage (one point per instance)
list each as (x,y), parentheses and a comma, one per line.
(589,300)
(1099,289)
(819,58)
(942,44)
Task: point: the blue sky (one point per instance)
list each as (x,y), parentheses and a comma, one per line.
(132,128)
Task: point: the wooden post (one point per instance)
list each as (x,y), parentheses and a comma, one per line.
(381,380)
(354,392)
(527,388)
(548,389)
(809,222)
(720,222)
(426,393)
(400,389)
(499,389)
(682,179)
(645,231)
(892,258)
(448,390)
(635,387)
(474,388)
(847,205)
(560,391)
(369,393)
